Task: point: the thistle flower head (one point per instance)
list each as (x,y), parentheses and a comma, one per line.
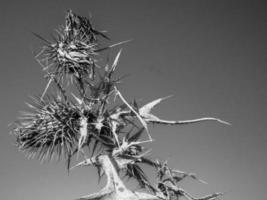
(63,57)
(50,129)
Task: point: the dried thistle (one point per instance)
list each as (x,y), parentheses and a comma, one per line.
(51,128)
(59,127)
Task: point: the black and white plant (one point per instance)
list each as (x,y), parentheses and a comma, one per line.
(86,114)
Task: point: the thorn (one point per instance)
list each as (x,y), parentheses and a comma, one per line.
(46,88)
(80,102)
(116,60)
(113,45)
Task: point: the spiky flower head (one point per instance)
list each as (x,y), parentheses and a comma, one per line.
(73,55)
(51,128)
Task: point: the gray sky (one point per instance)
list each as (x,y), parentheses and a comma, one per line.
(211,55)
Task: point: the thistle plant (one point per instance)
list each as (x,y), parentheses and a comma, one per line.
(93,119)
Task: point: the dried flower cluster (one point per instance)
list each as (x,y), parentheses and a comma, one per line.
(95,118)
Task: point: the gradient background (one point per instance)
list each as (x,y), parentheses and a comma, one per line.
(211,55)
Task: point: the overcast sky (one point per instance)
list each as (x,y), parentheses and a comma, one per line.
(210,55)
